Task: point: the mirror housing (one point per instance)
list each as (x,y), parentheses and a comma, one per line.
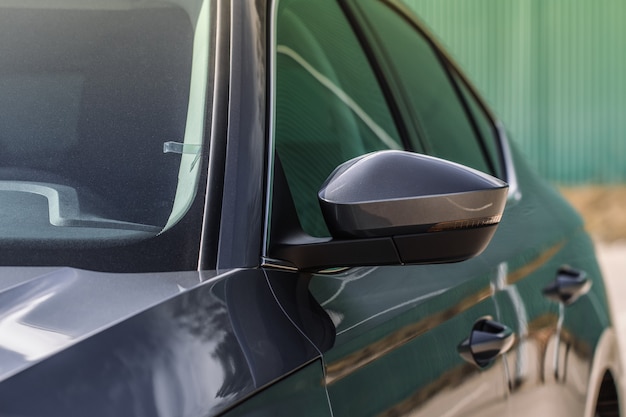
(391,193)
(397,207)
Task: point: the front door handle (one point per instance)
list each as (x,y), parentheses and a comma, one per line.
(488,339)
(568,286)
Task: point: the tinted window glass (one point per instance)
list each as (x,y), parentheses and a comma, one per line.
(437,113)
(329,107)
(484,126)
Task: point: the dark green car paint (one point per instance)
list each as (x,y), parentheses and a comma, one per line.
(410,347)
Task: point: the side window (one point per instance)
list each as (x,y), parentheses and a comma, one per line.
(484,125)
(435,113)
(329,107)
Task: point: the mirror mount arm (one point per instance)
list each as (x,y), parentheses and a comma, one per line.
(307,255)
(312,254)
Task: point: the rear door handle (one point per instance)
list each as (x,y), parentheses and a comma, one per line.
(488,340)
(568,286)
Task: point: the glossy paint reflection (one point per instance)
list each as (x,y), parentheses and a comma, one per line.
(22,338)
(398,328)
(550,366)
(193,354)
(397,331)
(46,310)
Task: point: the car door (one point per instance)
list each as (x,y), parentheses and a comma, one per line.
(544,260)
(400,331)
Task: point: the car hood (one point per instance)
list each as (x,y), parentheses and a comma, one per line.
(46,310)
(160,344)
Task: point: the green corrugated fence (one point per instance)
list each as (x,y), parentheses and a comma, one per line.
(553,70)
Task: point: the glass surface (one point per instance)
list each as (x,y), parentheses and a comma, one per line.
(425,88)
(485,127)
(329,106)
(102,109)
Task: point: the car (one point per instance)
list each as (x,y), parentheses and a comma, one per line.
(277,207)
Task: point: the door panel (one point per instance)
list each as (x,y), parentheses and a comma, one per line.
(551,363)
(398,329)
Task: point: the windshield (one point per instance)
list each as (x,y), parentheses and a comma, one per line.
(102,115)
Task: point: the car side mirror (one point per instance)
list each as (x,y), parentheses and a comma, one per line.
(397,207)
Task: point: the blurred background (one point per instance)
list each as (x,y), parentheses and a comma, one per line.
(555,73)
